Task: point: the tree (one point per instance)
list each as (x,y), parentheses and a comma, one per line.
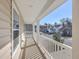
(45,24)
(55,24)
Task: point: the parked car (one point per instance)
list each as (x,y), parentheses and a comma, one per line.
(51,31)
(45,31)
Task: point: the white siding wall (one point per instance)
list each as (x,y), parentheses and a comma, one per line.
(5,29)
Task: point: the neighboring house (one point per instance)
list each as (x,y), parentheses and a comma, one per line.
(43,27)
(66,31)
(65,28)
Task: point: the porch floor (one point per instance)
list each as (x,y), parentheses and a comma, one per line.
(31,50)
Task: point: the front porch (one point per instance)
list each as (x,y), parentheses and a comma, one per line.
(43,48)
(33,45)
(31,49)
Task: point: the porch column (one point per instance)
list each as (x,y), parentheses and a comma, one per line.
(75,29)
(38,31)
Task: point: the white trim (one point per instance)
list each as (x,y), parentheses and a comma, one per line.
(45,52)
(13,54)
(18,46)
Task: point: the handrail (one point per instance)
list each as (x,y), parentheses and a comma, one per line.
(45,52)
(56,42)
(61,51)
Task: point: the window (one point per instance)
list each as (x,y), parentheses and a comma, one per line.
(15,29)
(28,28)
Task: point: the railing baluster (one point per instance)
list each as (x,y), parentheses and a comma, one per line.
(60,51)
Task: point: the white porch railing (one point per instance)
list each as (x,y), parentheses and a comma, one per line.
(52,49)
(55,49)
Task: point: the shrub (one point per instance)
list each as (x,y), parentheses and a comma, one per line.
(57,37)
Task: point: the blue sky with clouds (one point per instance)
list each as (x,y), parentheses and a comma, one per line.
(63,11)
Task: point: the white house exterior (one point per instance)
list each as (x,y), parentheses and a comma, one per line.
(31,12)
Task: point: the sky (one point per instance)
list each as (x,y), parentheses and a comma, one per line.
(63,11)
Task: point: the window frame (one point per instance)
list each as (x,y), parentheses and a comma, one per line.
(15,30)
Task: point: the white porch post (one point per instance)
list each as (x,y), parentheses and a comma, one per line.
(75,29)
(38,31)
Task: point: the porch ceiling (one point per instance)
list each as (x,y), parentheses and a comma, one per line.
(33,10)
